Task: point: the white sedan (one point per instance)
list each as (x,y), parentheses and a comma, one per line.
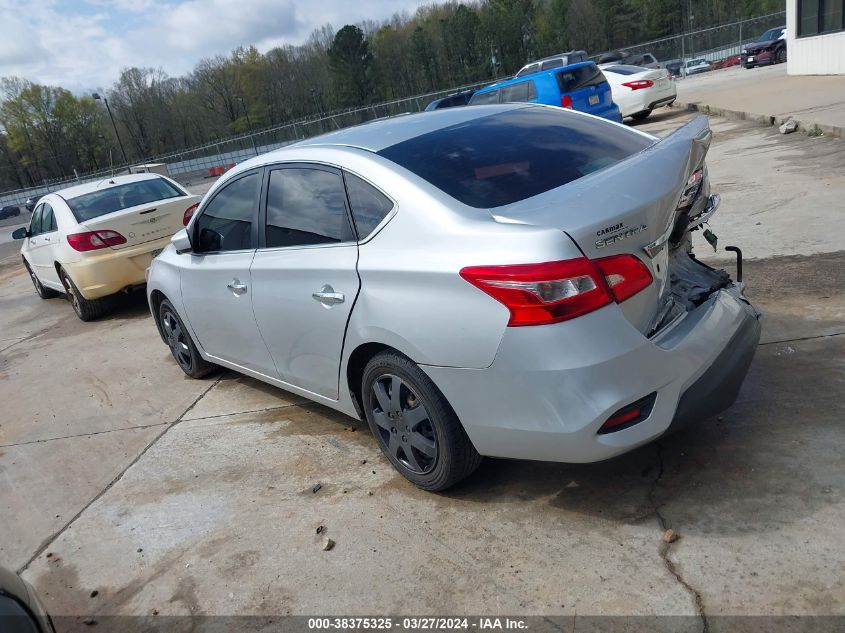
(94,240)
(637,91)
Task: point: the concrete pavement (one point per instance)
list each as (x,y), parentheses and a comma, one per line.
(195,497)
(768,95)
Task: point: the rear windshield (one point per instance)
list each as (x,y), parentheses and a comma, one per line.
(580,77)
(513,155)
(92,205)
(623,69)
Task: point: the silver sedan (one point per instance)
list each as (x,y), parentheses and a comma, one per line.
(512,281)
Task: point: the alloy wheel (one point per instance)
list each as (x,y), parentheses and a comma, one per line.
(404,424)
(176,340)
(70,293)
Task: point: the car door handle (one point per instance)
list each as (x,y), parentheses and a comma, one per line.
(328,297)
(237,287)
(48,239)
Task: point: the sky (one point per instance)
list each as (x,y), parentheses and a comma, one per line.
(82,45)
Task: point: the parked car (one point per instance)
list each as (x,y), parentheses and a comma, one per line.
(733,60)
(21,610)
(554,61)
(94,240)
(510,280)
(451,101)
(638,91)
(32,201)
(9,211)
(580,87)
(695,66)
(646,60)
(675,67)
(769,48)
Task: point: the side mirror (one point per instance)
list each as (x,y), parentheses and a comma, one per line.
(21,233)
(181,241)
(210,241)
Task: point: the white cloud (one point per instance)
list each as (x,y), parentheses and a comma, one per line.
(83,45)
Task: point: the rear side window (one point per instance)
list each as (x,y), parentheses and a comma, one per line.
(578,78)
(555,63)
(513,155)
(306,206)
(226,222)
(528,70)
(484,98)
(119,197)
(369,205)
(523,91)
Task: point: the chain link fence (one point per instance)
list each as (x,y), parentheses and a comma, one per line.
(713,44)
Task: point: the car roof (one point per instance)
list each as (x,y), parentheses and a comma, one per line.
(532,76)
(105,183)
(377,135)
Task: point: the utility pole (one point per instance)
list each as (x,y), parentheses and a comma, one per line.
(97,97)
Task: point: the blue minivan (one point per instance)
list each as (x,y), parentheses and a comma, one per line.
(580,86)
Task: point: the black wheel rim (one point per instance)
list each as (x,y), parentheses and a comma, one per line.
(70,293)
(176,340)
(403,424)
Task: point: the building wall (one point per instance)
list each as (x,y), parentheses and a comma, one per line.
(816,55)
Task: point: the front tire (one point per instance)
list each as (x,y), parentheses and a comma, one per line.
(43,291)
(182,347)
(414,425)
(86,309)
(780,56)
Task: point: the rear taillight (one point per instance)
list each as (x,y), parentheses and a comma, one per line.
(539,294)
(94,240)
(625,275)
(639,84)
(691,189)
(566,101)
(189,213)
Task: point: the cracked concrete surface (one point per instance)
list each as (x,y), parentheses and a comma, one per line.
(195,497)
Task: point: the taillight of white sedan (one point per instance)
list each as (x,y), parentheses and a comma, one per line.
(509,280)
(94,240)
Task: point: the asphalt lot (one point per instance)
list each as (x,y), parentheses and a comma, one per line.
(121,476)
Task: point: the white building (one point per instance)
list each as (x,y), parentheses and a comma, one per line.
(815,37)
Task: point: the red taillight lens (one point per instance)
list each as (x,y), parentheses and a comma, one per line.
(625,275)
(539,294)
(189,213)
(94,240)
(639,84)
(566,101)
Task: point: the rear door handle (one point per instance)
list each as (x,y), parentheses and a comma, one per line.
(237,287)
(328,297)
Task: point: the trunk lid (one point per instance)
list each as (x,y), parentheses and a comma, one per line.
(144,222)
(627,207)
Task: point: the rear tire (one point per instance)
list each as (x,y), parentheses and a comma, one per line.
(43,291)
(414,425)
(182,347)
(86,309)
(641,116)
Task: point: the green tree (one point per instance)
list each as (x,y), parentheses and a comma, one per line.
(350,60)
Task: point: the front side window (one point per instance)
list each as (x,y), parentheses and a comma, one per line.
(226,222)
(48,219)
(306,206)
(118,197)
(35,221)
(369,205)
(555,63)
(517,92)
